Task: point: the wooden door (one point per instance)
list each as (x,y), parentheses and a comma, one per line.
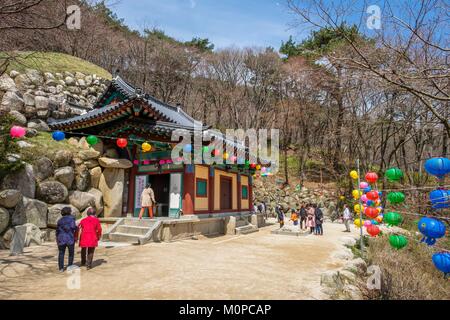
(226,193)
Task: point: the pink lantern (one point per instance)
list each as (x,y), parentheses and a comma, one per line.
(17,132)
(364,198)
(233,159)
(146,162)
(263,169)
(363,185)
(136,162)
(161,162)
(367,223)
(169,161)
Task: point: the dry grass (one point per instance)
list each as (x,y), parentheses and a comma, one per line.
(407,274)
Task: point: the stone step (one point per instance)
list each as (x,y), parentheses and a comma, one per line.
(139,223)
(135,230)
(124,237)
(241,223)
(246,229)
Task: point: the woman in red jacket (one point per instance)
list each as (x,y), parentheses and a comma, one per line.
(90,232)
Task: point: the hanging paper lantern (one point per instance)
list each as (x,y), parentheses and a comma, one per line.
(379,209)
(216,152)
(395,197)
(393,174)
(371,212)
(146,162)
(356,194)
(363,185)
(225,155)
(187,148)
(397,241)
(364,198)
(393,218)
(122,142)
(432,229)
(253,165)
(440,199)
(205,149)
(367,223)
(92,140)
(233,159)
(247,163)
(161,162)
(372,195)
(146,147)
(373,230)
(354,174)
(58,136)
(367,189)
(374,221)
(136,162)
(438,167)
(379,219)
(358,223)
(441,261)
(370,203)
(371,177)
(17,132)
(358,208)
(263,169)
(169,161)
(258,167)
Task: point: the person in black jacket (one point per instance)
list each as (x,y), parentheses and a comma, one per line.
(65,237)
(319,220)
(280,215)
(302,215)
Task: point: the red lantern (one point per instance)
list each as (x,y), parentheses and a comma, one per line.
(216,152)
(253,165)
(371,212)
(372,195)
(373,230)
(122,143)
(371,177)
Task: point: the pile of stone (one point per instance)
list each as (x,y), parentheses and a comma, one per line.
(34,197)
(35,97)
(269,191)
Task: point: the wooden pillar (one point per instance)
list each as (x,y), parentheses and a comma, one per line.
(211,189)
(239,192)
(131,184)
(188,189)
(250,192)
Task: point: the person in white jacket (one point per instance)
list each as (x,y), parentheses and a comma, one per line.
(347,216)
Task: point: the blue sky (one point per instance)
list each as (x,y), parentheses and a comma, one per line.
(226,23)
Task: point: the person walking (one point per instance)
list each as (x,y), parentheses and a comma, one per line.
(65,237)
(347,216)
(90,232)
(302,214)
(147,201)
(280,215)
(319,220)
(310,218)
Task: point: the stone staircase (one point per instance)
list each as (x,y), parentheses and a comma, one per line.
(133,230)
(244,227)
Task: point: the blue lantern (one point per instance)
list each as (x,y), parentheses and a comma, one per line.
(440,199)
(370,202)
(432,229)
(58,135)
(438,167)
(441,261)
(367,189)
(187,148)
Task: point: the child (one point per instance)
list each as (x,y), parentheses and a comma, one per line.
(294,217)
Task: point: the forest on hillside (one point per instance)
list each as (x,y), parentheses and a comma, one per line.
(339,95)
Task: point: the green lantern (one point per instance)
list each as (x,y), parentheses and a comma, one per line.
(247,163)
(92,140)
(394,174)
(396,197)
(398,241)
(205,149)
(393,218)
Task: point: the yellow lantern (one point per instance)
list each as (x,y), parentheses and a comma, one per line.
(146,147)
(358,223)
(358,208)
(379,219)
(225,155)
(356,194)
(342,198)
(258,167)
(354,174)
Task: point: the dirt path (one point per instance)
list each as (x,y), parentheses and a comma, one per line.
(260,265)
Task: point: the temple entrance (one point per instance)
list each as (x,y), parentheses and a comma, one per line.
(160,185)
(225,193)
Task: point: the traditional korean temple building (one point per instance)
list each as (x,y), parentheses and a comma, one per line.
(123,111)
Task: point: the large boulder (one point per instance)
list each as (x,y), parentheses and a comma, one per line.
(83,178)
(91,164)
(95,174)
(115,163)
(4,219)
(24,181)
(54,213)
(30,211)
(43,168)
(111,185)
(38,124)
(98,199)
(65,175)
(12,101)
(9,198)
(90,154)
(81,200)
(34,76)
(6,83)
(52,192)
(62,158)
(19,118)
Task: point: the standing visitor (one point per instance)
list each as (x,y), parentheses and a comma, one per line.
(91,232)
(65,237)
(347,216)
(280,215)
(302,214)
(310,218)
(294,217)
(147,201)
(319,220)
(255,208)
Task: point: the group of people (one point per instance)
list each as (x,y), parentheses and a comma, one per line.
(308,216)
(88,231)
